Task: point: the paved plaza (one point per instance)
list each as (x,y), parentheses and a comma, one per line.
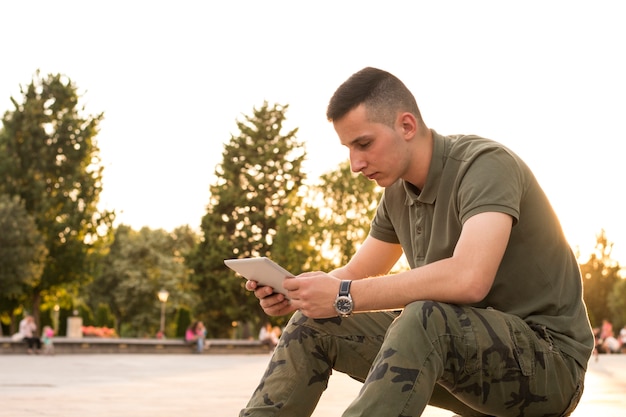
(168,385)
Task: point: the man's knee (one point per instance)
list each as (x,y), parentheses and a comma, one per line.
(429,316)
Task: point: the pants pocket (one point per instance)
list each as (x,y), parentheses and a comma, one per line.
(524,346)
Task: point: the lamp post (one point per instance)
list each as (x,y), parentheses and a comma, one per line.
(55,318)
(163,295)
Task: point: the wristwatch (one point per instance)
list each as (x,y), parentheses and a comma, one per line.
(343,302)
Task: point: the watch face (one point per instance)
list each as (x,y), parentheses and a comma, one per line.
(343,305)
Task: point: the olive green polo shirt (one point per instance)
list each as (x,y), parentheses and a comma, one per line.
(538,279)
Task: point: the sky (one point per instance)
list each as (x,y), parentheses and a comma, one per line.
(545,78)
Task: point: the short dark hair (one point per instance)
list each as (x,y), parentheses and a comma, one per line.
(382,93)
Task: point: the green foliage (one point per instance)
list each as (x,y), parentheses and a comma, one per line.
(137,266)
(49,158)
(600,275)
(261,168)
(259,174)
(617,304)
(103,317)
(22,253)
(348,203)
(183,320)
(293,247)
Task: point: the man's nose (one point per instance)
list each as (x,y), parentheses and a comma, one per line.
(356,164)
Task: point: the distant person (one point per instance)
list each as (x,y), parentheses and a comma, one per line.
(196,333)
(488,321)
(47,335)
(611,345)
(28,331)
(268,335)
(606,332)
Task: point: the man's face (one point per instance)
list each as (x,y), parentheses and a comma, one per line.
(376,150)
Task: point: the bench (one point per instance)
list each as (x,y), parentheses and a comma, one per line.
(65,345)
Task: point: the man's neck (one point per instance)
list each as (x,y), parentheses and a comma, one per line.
(422,153)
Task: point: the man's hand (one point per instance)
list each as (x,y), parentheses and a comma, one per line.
(273,304)
(313,293)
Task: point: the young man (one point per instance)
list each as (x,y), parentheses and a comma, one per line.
(489,320)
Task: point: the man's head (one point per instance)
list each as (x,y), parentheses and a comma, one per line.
(382,94)
(377,119)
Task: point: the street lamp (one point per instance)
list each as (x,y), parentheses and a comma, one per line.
(163,295)
(55,318)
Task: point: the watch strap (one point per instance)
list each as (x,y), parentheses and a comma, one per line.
(344,287)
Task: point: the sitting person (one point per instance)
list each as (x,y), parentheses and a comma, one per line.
(28,331)
(611,345)
(488,321)
(269,336)
(196,333)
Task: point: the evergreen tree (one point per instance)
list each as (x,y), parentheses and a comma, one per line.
(50,159)
(254,193)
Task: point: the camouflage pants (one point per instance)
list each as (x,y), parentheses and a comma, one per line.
(474,362)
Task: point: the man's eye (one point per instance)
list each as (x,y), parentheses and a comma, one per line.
(364,145)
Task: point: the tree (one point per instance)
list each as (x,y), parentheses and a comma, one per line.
(50,159)
(294,247)
(22,255)
(347,204)
(254,193)
(138,265)
(617,304)
(600,274)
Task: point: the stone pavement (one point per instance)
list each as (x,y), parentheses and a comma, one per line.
(137,385)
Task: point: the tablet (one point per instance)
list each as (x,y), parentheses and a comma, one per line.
(263,270)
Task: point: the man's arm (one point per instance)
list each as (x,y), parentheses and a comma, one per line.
(466,277)
(374,257)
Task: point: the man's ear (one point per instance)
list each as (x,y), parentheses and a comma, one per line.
(408,123)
